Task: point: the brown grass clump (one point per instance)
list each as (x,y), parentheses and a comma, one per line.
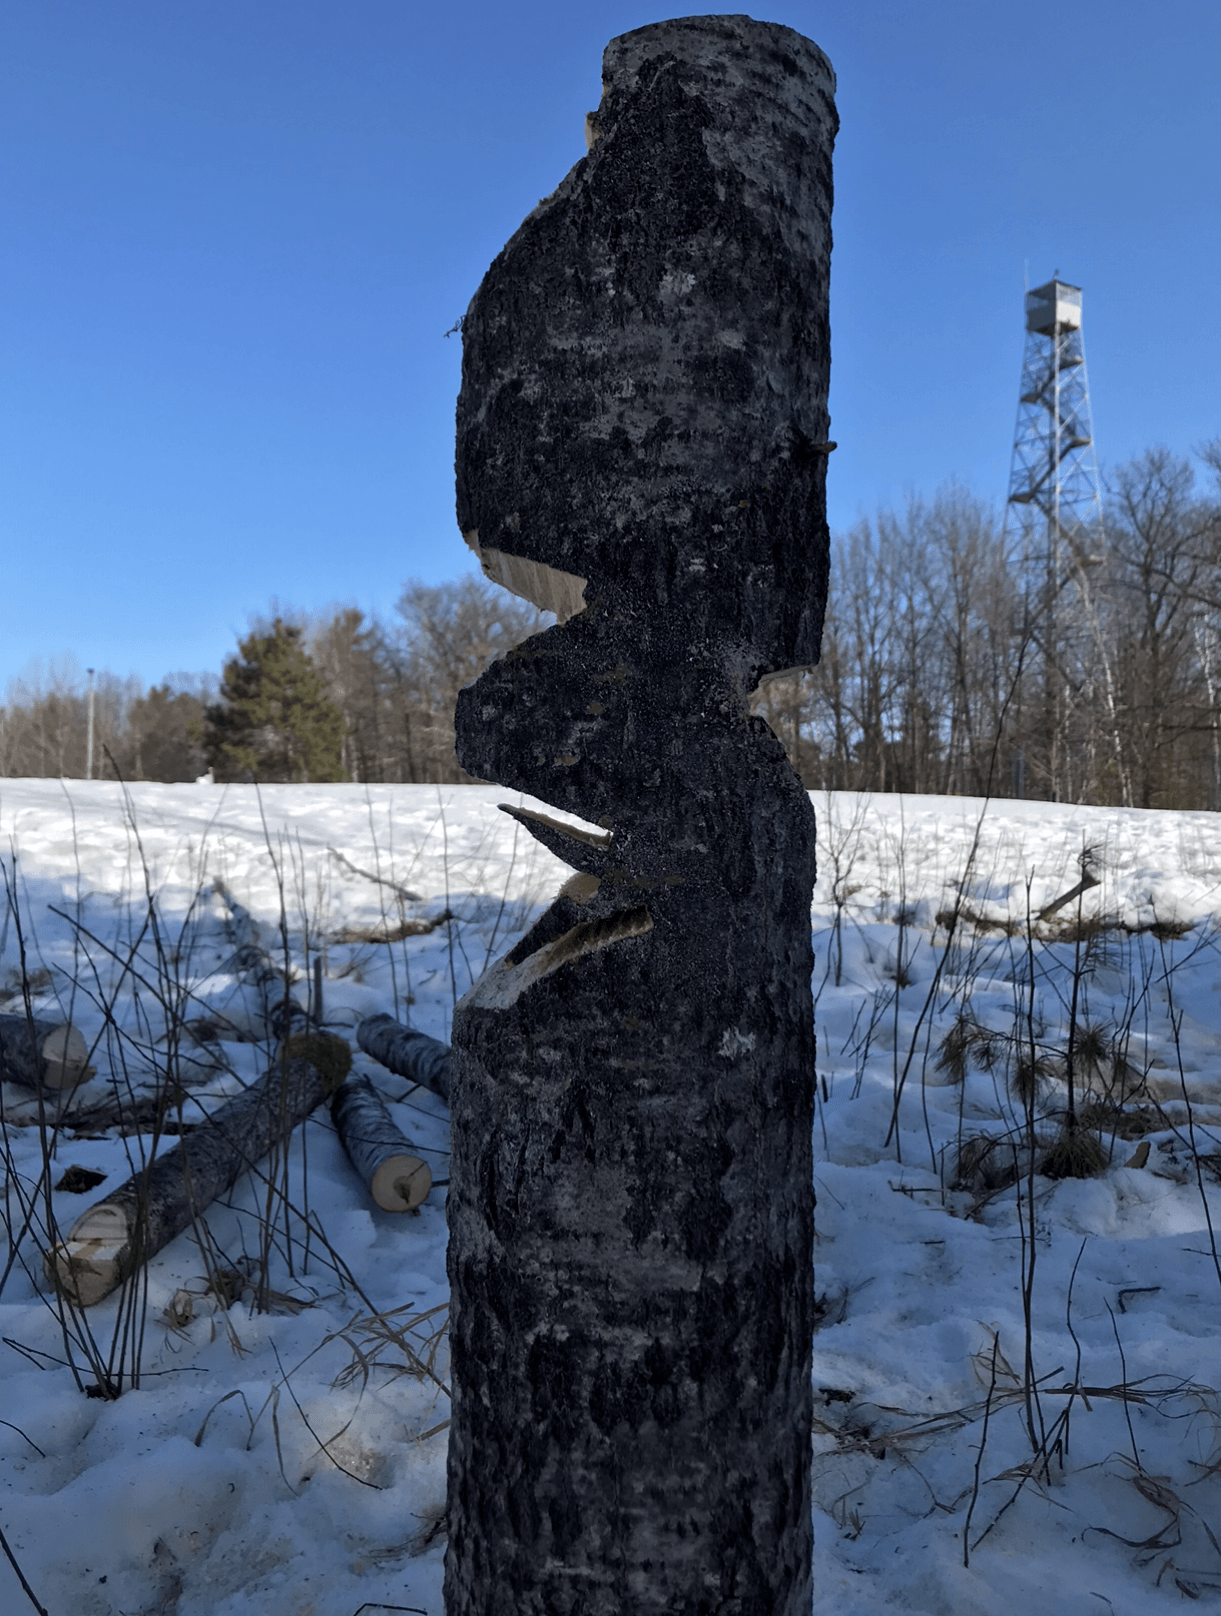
(330,1057)
(965,1042)
(1028,1073)
(1075,1154)
(1101,1116)
(986,1163)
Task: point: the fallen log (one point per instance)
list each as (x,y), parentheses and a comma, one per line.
(397,1180)
(128,1114)
(283,1015)
(42,1054)
(1087,860)
(1087,881)
(406,1052)
(115,1236)
(400,892)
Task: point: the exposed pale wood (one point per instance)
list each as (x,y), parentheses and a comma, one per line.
(42,1054)
(397,1179)
(114,1237)
(545,587)
(407,1053)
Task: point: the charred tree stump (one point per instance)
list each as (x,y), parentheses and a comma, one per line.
(642,446)
(115,1236)
(42,1054)
(396,1179)
(407,1053)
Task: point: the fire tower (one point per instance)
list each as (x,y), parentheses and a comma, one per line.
(1055,510)
(1053,484)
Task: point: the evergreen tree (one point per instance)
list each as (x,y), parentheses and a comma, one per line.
(274,720)
(164,739)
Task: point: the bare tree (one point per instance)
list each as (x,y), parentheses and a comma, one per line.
(450,633)
(1162,582)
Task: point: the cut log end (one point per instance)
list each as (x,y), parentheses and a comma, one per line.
(401,1183)
(64,1059)
(38,1054)
(94,1258)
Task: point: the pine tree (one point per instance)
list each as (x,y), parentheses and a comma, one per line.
(163,738)
(274,720)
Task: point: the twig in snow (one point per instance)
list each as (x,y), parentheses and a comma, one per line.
(979,1457)
(401,892)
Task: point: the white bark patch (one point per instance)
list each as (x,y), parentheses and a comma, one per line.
(734,1043)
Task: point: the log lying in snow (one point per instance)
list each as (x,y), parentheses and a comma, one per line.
(397,1179)
(115,1236)
(42,1054)
(1088,880)
(407,1053)
(284,1016)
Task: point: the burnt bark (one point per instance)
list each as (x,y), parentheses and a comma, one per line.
(383,1157)
(643,411)
(407,1053)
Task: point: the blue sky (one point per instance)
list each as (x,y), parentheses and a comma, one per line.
(233,235)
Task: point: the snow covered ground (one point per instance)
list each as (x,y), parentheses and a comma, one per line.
(290,1461)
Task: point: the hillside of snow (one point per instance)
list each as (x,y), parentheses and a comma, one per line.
(1014,1364)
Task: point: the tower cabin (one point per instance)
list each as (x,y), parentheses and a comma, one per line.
(1054,309)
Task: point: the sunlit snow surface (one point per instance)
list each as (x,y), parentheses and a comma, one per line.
(318,1488)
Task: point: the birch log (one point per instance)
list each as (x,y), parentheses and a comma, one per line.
(398,1180)
(42,1054)
(283,1015)
(406,1053)
(114,1237)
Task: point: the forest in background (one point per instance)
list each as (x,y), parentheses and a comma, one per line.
(954,661)
(333,696)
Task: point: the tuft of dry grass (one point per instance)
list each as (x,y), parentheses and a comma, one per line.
(1030,1071)
(330,1057)
(966,1042)
(1075,1154)
(1107,1117)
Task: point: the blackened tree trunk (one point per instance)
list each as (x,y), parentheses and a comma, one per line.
(642,442)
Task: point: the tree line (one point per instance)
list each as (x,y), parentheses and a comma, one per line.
(954,661)
(339,695)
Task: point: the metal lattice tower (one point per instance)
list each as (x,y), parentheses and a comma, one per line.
(1054,495)
(1055,510)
